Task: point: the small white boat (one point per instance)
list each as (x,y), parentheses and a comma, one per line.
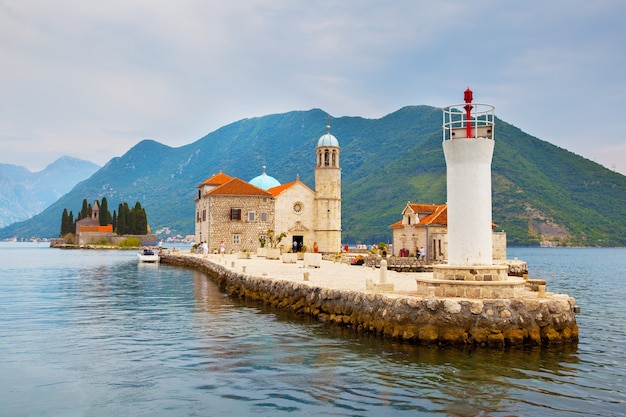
(148,255)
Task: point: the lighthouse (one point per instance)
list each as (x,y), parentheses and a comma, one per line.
(468,144)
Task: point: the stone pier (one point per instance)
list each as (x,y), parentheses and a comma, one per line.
(336,292)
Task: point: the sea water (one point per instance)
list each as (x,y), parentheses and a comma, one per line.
(95,333)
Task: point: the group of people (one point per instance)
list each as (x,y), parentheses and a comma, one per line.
(421,254)
(204,248)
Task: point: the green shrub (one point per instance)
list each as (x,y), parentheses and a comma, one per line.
(130,242)
(103,242)
(69,238)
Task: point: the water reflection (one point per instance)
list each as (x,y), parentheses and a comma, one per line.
(310,363)
(99,334)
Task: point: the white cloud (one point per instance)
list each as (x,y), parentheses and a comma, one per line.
(106,75)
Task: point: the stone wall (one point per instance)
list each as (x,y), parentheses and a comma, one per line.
(222,228)
(88,238)
(428,320)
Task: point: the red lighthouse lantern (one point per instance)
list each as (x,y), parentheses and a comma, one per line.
(468,97)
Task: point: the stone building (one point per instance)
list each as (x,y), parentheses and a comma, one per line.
(426,225)
(232,211)
(89,231)
(239,213)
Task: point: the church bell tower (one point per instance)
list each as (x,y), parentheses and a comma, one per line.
(328,194)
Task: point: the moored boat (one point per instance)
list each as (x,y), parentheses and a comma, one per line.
(148,255)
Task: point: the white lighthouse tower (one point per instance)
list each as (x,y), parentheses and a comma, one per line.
(468,132)
(468,143)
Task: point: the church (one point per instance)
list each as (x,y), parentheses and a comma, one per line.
(238,214)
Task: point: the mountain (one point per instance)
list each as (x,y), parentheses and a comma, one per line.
(24,193)
(540,192)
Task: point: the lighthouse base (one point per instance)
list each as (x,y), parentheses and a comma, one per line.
(489,281)
(471,273)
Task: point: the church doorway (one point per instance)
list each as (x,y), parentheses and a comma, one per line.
(297,243)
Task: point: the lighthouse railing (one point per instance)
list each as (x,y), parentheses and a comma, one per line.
(455,121)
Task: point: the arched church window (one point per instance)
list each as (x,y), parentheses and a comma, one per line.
(326,158)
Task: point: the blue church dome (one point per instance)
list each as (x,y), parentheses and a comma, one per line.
(264,181)
(327,139)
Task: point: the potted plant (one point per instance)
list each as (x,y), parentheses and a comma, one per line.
(273,252)
(301,253)
(261,251)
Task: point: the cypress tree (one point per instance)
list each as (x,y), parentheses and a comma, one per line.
(141,222)
(84,212)
(121,219)
(131,222)
(105,214)
(64,223)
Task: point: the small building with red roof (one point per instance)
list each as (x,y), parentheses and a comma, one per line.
(426,226)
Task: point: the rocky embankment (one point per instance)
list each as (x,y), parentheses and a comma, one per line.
(443,321)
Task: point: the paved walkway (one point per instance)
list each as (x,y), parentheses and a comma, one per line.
(336,275)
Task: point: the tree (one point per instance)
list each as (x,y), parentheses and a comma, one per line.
(141,220)
(64,223)
(105,214)
(122,214)
(131,221)
(85,211)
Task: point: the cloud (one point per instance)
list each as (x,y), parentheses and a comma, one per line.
(92,79)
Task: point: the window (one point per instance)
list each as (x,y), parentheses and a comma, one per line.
(235,214)
(236,239)
(251,216)
(263,217)
(204,215)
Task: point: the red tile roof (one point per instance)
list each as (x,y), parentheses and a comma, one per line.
(217,179)
(423,208)
(280,188)
(235,186)
(397,224)
(439,216)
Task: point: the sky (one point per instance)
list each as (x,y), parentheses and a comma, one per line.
(92,79)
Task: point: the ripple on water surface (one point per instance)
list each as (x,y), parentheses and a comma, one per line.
(95,333)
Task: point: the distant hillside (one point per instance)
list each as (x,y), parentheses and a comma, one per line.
(24,193)
(540,192)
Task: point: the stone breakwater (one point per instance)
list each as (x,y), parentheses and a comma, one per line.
(528,320)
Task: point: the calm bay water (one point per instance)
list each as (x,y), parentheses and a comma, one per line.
(94,333)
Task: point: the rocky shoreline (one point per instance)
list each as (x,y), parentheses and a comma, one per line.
(533,319)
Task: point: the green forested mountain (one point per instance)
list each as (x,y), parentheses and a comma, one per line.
(540,191)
